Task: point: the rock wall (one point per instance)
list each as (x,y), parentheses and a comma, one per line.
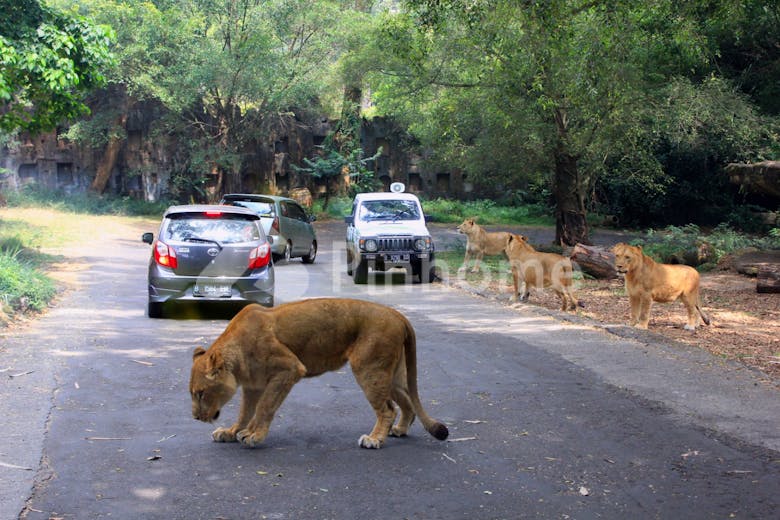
(147,163)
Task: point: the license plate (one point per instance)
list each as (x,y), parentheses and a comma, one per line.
(396,258)
(212,290)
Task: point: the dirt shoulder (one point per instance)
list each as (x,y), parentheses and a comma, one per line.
(745,325)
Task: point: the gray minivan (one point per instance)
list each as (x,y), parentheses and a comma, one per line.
(285,221)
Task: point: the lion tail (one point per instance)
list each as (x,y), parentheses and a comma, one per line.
(704,317)
(432,426)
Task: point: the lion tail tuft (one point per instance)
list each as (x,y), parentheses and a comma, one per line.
(439,431)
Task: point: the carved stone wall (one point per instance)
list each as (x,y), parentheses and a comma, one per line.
(146,162)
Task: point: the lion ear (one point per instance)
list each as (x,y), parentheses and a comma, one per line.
(199,351)
(214,364)
(523,238)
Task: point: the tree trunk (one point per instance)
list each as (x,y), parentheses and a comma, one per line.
(599,262)
(571,225)
(106,164)
(570,190)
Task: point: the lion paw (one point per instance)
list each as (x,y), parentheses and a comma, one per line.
(223,435)
(395,431)
(366,441)
(251,438)
(690,327)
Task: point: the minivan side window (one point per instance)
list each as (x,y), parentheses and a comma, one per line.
(296,212)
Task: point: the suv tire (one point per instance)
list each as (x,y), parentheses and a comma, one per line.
(360,275)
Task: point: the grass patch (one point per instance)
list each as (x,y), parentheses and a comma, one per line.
(450,211)
(22,285)
(29,229)
(36,197)
(487,212)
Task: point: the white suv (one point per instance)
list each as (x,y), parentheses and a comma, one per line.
(387,230)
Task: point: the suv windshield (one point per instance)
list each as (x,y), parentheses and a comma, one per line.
(388,210)
(204,229)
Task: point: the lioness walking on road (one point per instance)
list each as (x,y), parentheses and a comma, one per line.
(648,281)
(480,242)
(266,351)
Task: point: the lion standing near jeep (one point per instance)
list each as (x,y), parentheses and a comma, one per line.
(531,268)
(480,242)
(266,351)
(648,281)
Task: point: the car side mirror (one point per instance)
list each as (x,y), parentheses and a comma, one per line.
(312,218)
(349,220)
(270,239)
(429,218)
(147,238)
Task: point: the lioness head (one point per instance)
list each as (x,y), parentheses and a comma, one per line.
(212,385)
(467,226)
(627,257)
(515,243)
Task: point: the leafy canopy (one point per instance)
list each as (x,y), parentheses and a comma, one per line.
(48,61)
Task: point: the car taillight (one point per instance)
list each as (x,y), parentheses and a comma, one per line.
(213,214)
(275,226)
(260,256)
(165,255)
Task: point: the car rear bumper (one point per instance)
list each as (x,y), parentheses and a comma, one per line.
(258,288)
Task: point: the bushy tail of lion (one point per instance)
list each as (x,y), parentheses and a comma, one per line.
(434,427)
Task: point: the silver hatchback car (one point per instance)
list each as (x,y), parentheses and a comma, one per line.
(209,254)
(285,221)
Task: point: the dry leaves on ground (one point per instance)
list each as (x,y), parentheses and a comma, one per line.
(745,325)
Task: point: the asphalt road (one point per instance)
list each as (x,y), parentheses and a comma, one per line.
(547,419)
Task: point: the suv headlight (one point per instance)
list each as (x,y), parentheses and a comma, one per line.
(368,244)
(422,244)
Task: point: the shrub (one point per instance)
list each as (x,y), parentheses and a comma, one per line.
(674,243)
(21,285)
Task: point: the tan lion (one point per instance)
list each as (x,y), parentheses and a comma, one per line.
(480,243)
(266,351)
(648,281)
(534,269)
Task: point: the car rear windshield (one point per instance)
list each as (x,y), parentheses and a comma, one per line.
(228,229)
(392,209)
(262,208)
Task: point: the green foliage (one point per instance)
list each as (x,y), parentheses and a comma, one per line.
(337,208)
(450,211)
(673,171)
(33,196)
(48,61)
(674,241)
(333,164)
(22,286)
(486,212)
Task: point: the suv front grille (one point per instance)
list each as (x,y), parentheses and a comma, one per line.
(395,244)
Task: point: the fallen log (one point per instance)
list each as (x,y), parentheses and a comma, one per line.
(599,262)
(768,278)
